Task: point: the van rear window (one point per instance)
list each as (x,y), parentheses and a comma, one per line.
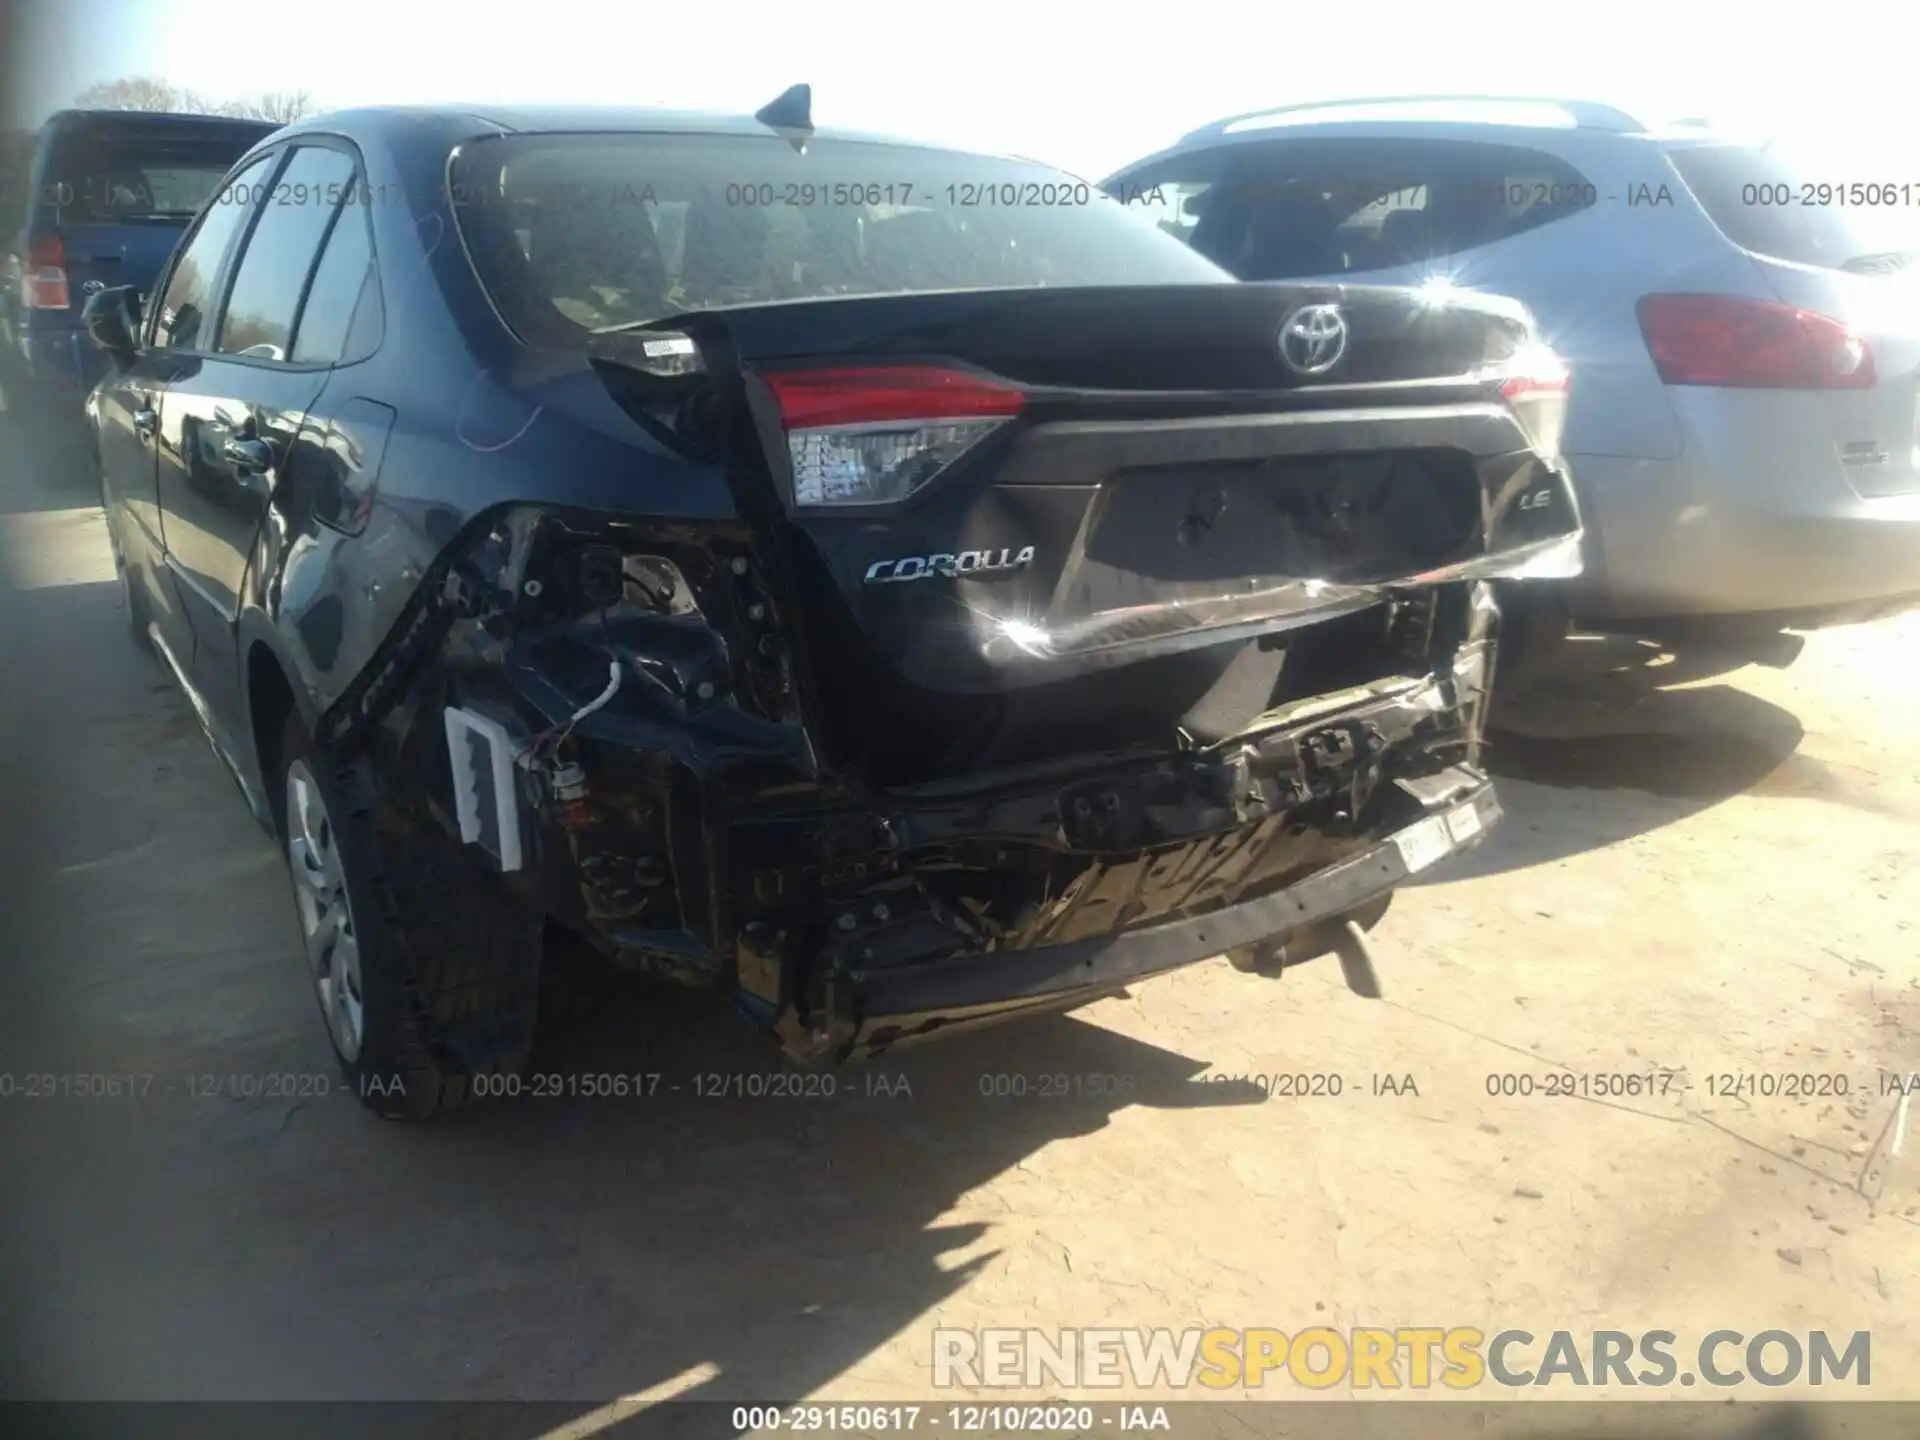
(123,177)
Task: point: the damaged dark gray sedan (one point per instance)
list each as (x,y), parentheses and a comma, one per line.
(896,587)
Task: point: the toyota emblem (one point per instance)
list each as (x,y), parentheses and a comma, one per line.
(1313,338)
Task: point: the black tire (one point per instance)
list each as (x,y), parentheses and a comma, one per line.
(448,960)
(1534,626)
(576,983)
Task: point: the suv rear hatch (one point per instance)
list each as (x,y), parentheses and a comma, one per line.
(1847,253)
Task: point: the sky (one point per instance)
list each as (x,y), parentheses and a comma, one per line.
(1086,86)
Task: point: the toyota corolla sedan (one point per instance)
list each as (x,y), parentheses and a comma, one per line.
(895,587)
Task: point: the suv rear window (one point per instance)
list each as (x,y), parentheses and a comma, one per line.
(1775,205)
(1285,209)
(575,233)
(115,176)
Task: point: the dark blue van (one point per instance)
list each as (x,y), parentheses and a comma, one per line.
(107,195)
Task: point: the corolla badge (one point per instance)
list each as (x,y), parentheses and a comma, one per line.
(92,287)
(959,562)
(1313,338)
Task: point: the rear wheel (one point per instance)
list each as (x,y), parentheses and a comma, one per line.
(425,969)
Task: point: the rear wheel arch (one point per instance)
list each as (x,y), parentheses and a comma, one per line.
(271,700)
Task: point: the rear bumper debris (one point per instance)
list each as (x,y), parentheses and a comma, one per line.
(692,828)
(887,1006)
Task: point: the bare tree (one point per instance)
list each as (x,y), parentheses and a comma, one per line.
(144,92)
(137,92)
(282,107)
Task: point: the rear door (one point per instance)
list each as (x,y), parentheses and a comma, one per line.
(1845,249)
(177,326)
(230,420)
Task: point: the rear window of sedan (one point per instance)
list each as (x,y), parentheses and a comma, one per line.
(576,233)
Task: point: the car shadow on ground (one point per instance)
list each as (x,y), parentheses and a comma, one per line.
(1635,720)
(756,1227)
(63,477)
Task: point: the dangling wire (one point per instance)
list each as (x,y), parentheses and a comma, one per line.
(552,738)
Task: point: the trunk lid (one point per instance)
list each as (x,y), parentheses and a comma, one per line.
(1195,340)
(1147,494)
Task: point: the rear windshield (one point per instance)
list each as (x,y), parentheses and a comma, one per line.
(1288,209)
(576,233)
(1781,206)
(125,176)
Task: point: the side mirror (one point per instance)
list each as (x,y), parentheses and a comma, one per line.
(112,318)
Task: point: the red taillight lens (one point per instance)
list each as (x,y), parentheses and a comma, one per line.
(1536,384)
(875,435)
(1724,340)
(1537,372)
(43,280)
(812,398)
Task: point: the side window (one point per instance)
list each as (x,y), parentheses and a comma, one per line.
(280,252)
(341,318)
(1295,208)
(181,322)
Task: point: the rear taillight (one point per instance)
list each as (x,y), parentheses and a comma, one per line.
(1536,370)
(1536,383)
(1724,340)
(874,435)
(43,279)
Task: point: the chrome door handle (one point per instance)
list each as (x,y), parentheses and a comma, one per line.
(247,456)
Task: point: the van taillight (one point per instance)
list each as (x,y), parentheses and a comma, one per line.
(43,279)
(1724,340)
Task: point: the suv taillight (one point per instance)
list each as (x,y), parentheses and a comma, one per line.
(1725,340)
(43,279)
(874,435)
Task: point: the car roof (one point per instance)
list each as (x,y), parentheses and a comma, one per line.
(577,119)
(1497,119)
(1529,112)
(61,119)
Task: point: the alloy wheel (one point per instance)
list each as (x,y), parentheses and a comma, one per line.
(326,915)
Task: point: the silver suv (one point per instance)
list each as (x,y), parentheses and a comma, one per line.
(1744,333)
